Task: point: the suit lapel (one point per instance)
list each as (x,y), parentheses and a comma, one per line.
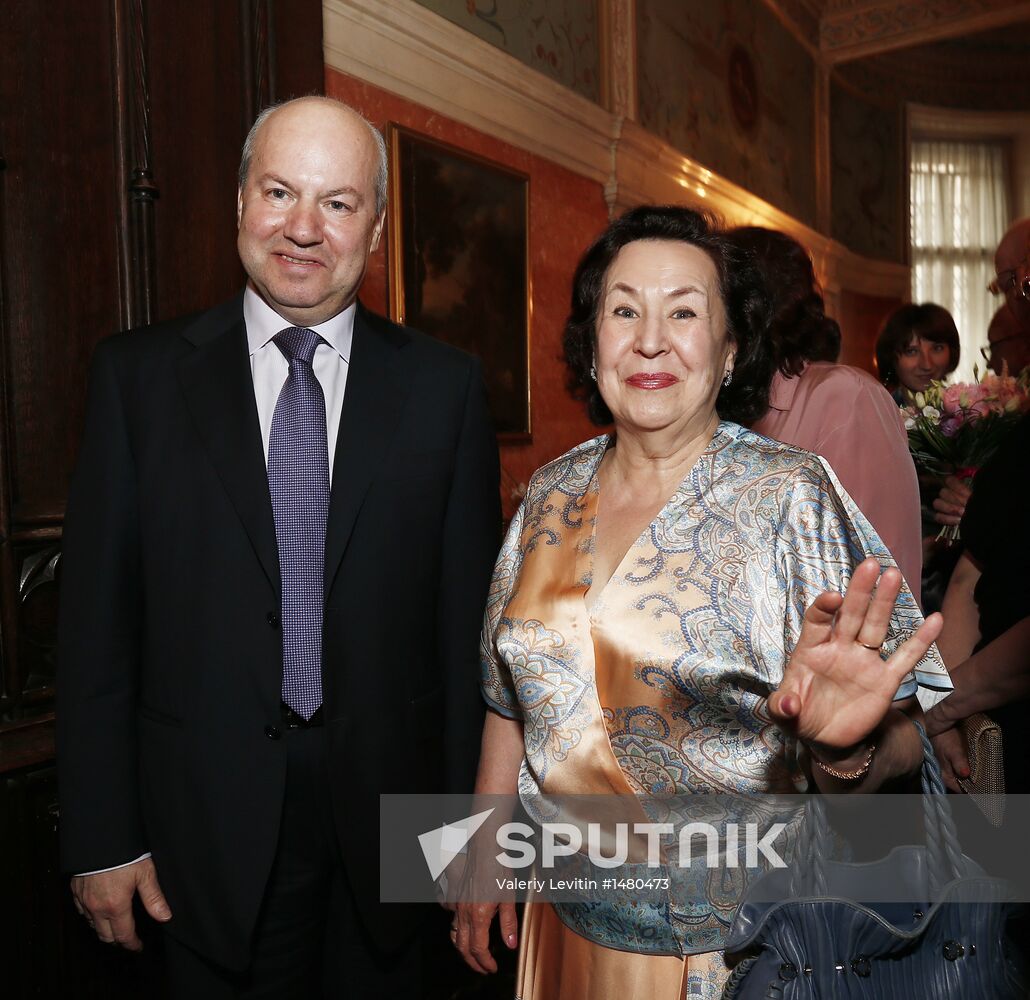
(219,389)
(378,383)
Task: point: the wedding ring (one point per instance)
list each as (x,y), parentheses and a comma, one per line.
(867,646)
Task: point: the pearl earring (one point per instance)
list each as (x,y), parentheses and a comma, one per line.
(729,378)
(593,373)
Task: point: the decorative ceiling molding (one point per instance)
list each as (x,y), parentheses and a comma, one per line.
(949,123)
(853,30)
(647,169)
(976,72)
(802,19)
(401,47)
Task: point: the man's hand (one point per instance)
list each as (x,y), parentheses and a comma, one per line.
(951,502)
(105,900)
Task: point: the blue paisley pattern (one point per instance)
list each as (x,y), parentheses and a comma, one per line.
(666,679)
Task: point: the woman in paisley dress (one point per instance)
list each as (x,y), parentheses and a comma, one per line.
(666,615)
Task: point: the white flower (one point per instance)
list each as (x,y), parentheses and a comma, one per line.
(910,422)
(931,412)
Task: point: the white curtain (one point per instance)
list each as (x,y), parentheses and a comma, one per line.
(960,209)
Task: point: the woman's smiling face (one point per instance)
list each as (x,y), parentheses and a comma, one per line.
(922,362)
(662,344)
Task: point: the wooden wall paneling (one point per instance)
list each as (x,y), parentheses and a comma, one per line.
(139,190)
(295,38)
(8,600)
(201,108)
(37,564)
(259,63)
(198,109)
(59,238)
(60,283)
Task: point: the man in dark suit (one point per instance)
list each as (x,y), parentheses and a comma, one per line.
(277,549)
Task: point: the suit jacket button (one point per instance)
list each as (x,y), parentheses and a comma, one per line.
(273,619)
(272,733)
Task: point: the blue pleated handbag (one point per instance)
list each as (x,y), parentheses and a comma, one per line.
(821,944)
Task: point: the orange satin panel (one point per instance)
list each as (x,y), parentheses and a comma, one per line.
(555,963)
(556,597)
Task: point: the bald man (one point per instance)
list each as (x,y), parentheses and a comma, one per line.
(1012,269)
(1008,342)
(1008,337)
(277,549)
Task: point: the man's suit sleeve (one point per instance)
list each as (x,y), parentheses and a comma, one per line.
(470,542)
(98,640)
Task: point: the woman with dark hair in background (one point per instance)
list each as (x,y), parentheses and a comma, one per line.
(667,617)
(917,345)
(836,411)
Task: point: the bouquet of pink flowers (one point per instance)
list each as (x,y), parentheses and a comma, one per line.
(954,429)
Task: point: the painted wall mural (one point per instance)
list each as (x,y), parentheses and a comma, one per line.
(556,37)
(868,174)
(728,85)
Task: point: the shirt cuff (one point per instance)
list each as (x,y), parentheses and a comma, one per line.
(114,868)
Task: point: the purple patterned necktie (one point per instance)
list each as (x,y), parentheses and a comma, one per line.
(298,479)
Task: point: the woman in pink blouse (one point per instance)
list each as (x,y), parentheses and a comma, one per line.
(838,412)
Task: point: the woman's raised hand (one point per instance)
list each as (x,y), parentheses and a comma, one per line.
(836,689)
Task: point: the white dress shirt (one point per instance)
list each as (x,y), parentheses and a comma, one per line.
(269,369)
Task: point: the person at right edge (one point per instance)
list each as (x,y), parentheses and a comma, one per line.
(986,634)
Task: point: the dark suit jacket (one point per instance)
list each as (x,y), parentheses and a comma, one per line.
(170,654)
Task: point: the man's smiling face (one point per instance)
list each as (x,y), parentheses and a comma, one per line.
(307,211)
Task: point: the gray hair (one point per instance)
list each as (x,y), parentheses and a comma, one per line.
(382,169)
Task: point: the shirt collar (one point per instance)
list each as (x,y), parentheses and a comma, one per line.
(263,323)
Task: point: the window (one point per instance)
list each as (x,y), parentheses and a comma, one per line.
(960,209)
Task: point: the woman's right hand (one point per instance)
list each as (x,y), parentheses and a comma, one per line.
(470,932)
(499,762)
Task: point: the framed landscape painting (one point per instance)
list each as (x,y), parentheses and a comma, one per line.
(459,262)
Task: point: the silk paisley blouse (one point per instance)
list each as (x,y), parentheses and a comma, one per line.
(661,688)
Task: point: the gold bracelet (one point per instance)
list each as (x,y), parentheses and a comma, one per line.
(834,772)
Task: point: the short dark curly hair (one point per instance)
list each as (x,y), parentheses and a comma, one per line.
(927,321)
(747,395)
(797,329)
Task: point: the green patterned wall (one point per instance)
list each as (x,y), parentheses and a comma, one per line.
(728,85)
(556,37)
(868,174)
